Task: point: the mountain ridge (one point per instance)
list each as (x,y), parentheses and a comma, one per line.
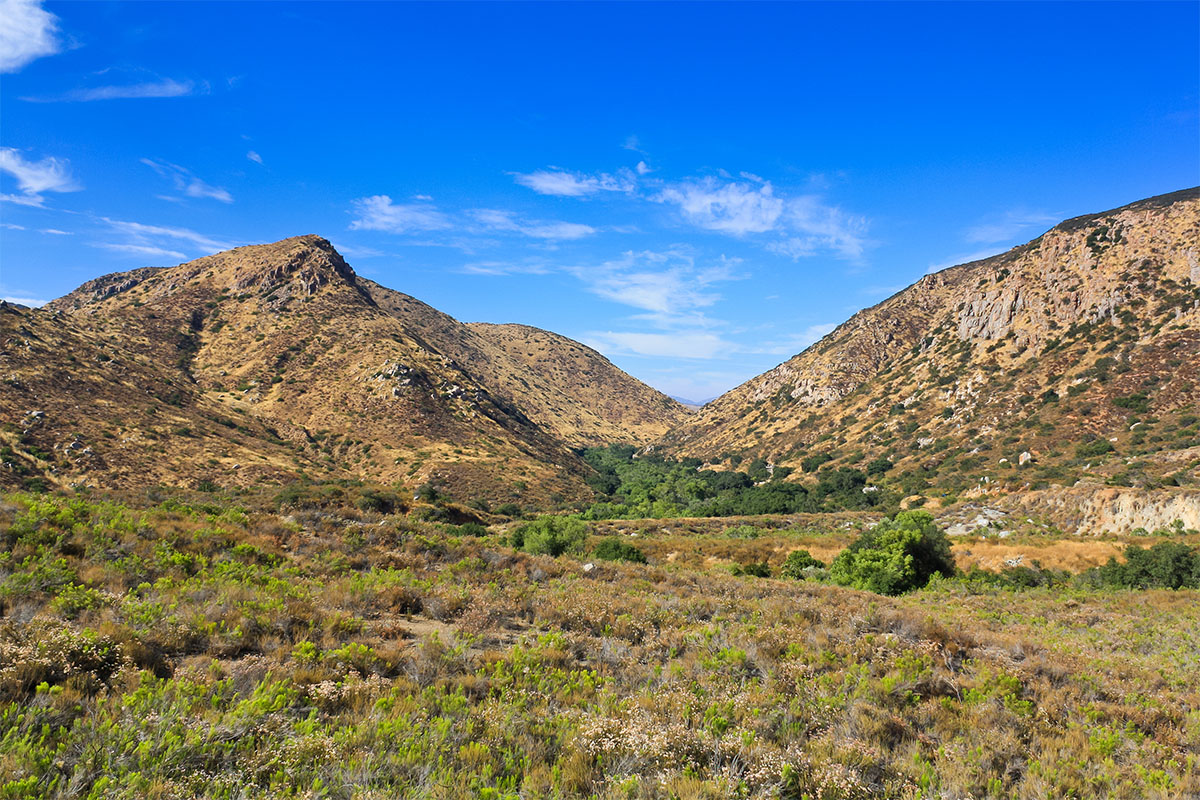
(351,379)
(965,325)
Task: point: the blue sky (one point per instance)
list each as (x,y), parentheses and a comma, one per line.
(697,190)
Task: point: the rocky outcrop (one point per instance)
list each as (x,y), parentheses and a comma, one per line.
(1090,511)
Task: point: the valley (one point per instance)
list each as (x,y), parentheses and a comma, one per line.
(274,530)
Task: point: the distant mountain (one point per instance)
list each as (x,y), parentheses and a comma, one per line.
(1075,357)
(271,361)
(692,404)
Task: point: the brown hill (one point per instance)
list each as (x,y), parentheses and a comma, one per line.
(570,390)
(276,360)
(1074,357)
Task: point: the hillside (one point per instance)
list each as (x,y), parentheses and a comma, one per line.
(1072,358)
(278,361)
(568,389)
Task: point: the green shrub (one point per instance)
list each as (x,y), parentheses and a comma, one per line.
(813,463)
(614,549)
(1166,565)
(798,565)
(1138,402)
(74,599)
(551,536)
(896,556)
(1096,447)
(878,466)
(380,502)
(508,510)
(755,569)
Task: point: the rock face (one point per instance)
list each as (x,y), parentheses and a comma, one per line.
(1093,511)
(275,359)
(1075,336)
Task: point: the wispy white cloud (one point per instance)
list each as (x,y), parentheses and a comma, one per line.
(379,213)
(141,250)
(29,32)
(56,232)
(1007,226)
(167,87)
(154,237)
(353,251)
(964,258)
(528,267)
(561,183)
(667,285)
(35,177)
(692,344)
(634,144)
(823,226)
(495,220)
(795,343)
(643,168)
(12,227)
(185,181)
(32,302)
(255,157)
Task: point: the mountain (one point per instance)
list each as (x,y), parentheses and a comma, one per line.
(1075,357)
(569,389)
(272,361)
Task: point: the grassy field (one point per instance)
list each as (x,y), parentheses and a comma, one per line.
(195,648)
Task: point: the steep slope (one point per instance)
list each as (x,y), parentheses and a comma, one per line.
(569,390)
(1074,357)
(287,335)
(78,409)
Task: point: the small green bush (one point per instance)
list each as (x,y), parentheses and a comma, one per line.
(796,564)
(380,502)
(471,529)
(756,569)
(1138,402)
(551,536)
(1096,447)
(508,510)
(614,549)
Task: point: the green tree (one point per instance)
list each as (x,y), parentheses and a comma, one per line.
(896,556)
(1168,565)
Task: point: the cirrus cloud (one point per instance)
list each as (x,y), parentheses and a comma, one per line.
(494,220)
(166,87)
(188,183)
(561,183)
(35,177)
